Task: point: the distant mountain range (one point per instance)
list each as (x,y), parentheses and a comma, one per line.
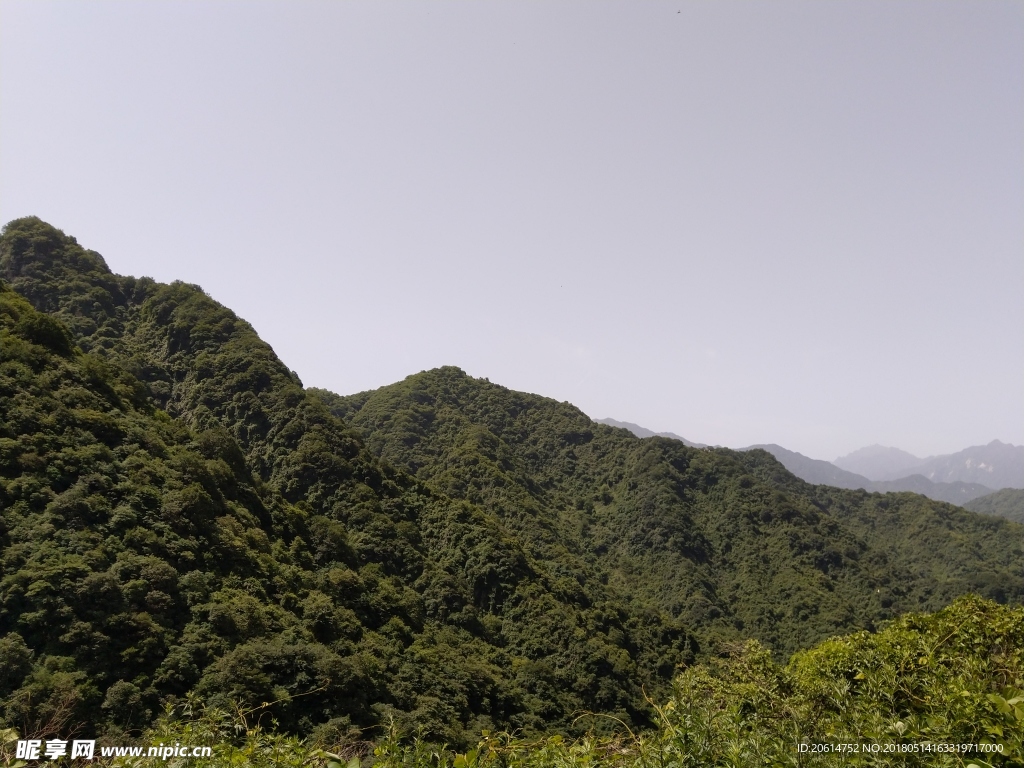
(826,473)
(877,462)
(814,471)
(996,465)
(956,478)
(639,431)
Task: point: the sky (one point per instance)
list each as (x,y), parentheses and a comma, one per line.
(781,222)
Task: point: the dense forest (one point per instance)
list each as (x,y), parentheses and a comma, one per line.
(1008,503)
(729,542)
(925,691)
(182,520)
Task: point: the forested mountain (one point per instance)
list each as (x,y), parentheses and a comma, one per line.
(814,471)
(713,536)
(820,472)
(179,514)
(1008,503)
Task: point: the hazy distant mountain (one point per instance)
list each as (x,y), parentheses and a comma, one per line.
(1008,503)
(877,462)
(639,431)
(957,492)
(996,465)
(821,472)
(814,471)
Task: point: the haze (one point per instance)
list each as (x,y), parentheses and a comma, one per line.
(795,223)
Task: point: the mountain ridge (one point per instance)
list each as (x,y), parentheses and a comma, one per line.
(995,465)
(820,472)
(445,407)
(879,462)
(371,568)
(639,431)
(825,473)
(1008,503)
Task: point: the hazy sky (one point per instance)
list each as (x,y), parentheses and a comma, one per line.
(790,222)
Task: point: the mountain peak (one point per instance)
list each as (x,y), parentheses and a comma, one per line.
(31,245)
(994,465)
(879,462)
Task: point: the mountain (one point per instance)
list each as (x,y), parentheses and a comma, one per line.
(639,431)
(179,516)
(877,462)
(996,465)
(1008,503)
(814,471)
(820,472)
(957,492)
(713,536)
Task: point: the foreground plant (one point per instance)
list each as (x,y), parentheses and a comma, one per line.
(945,689)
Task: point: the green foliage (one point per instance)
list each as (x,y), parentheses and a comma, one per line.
(181,516)
(1008,503)
(729,544)
(903,696)
(120,538)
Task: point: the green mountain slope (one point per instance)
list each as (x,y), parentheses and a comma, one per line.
(322,577)
(1008,503)
(137,555)
(815,471)
(179,514)
(729,542)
